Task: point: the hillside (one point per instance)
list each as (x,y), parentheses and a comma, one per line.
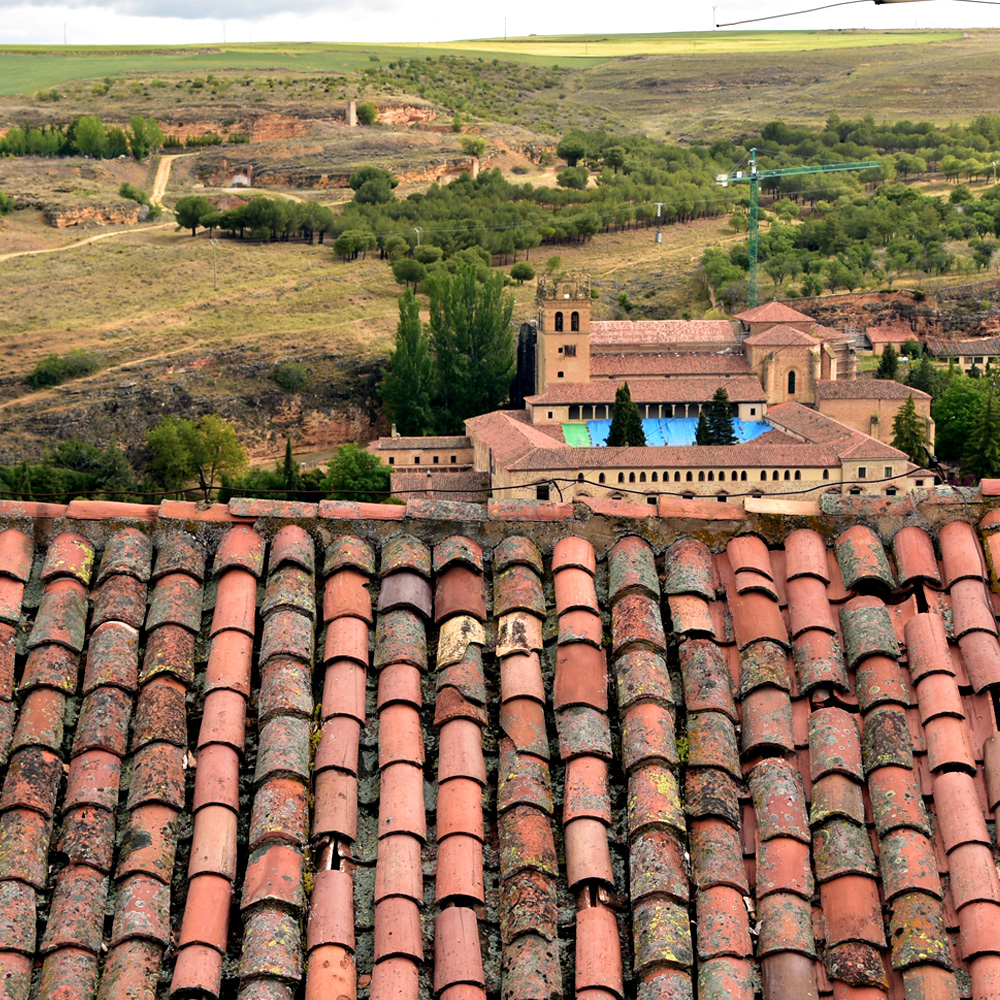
(184,325)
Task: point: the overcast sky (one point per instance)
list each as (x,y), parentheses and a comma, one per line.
(143,22)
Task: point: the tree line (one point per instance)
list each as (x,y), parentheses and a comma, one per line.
(85,136)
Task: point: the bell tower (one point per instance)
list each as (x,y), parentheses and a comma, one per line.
(563,347)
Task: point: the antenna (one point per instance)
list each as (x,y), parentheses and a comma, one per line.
(659,208)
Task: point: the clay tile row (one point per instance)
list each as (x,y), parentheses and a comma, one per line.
(516,550)
(406,552)
(459,590)
(292,546)
(687,568)
(240,548)
(69,555)
(632,569)
(915,559)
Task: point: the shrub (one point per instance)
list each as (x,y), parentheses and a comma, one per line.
(54,370)
(6,203)
(522,272)
(291,376)
(367,113)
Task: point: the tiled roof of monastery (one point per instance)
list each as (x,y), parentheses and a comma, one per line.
(421,443)
(819,428)
(891,333)
(773,312)
(780,336)
(714,332)
(867,388)
(696,389)
(702,363)
(970,348)
(522,750)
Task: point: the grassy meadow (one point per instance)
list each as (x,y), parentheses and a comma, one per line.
(27,69)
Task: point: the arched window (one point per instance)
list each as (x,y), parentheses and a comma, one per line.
(788,475)
(667,411)
(559,322)
(826,473)
(579,477)
(701,476)
(791,380)
(631,477)
(621,477)
(574,321)
(743,476)
(711,477)
(734,477)
(763,476)
(798,474)
(722,475)
(677,477)
(774,475)
(642,477)
(600,478)
(653,478)
(690,478)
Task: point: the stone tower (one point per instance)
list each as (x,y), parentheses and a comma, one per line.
(563,348)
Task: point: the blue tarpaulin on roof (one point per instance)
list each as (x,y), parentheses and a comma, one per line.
(676,430)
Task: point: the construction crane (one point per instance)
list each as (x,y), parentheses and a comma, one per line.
(754,176)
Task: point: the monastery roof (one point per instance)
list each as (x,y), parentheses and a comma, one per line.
(780,336)
(661,331)
(867,388)
(741,389)
(890,333)
(510,434)
(420,443)
(773,312)
(441,484)
(701,363)
(751,453)
(818,428)
(296,749)
(952,348)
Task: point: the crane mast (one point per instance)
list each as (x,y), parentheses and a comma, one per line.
(754,176)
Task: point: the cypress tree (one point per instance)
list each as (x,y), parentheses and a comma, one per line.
(290,473)
(703,434)
(720,422)
(908,432)
(626,421)
(888,364)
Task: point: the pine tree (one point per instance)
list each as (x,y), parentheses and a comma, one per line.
(720,421)
(908,432)
(888,364)
(626,421)
(703,434)
(290,472)
(982,454)
(406,383)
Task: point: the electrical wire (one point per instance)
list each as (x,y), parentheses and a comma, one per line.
(841,3)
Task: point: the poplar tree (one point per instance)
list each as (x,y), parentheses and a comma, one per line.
(626,421)
(703,432)
(406,383)
(473,344)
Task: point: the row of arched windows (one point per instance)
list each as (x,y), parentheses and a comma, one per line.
(574,322)
(702,477)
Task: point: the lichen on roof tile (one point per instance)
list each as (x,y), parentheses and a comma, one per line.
(518,632)
(349,552)
(517,550)
(69,554)
(862,558)
(241,548)
(128,552)
(868,630)
(400,638)
(457,549)
(687,567)
(841,847)
(290,587)
(292,546)
(834,744)
(406,552)
(631,568)
(917,932)
(708,684)
(763,663)
(779,801)
(712,742)
(819,660)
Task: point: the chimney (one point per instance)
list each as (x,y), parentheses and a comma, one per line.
(394,433)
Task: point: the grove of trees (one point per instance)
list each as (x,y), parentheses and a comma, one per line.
(84,136)
(457,365)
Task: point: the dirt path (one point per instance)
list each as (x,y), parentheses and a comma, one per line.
(84,242)
(163,176)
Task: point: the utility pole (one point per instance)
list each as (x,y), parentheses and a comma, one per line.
(418,230)
(714,9)
(754,176)
(215,273)
(64,32)
(659,206)
(505,29)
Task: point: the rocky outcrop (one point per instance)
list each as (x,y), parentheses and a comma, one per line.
(118,213)
(950,313)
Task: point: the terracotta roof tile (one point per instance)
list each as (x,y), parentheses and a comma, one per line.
(692,389)
(901,730)
(610,365)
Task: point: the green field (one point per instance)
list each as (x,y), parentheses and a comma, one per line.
(27,69)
